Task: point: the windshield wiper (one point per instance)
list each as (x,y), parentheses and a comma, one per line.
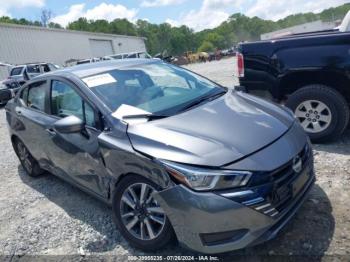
(201,100)
(148,116)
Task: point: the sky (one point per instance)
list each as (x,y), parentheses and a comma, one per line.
(196,14)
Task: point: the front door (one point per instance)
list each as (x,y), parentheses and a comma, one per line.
(76,156)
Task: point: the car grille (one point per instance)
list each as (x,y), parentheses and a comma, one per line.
(272,192)
(284,173)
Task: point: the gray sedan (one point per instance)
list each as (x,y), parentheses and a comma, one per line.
(176,156)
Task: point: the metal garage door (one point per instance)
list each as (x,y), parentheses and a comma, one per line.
(101,47)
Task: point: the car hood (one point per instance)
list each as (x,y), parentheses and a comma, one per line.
(213,134)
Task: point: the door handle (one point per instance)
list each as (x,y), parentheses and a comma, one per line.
(51,131)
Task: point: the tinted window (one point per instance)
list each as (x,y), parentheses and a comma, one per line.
(46,68)
(65,101)
(36,95)
(83,62)
(16,71)
(117,56)
(33,69)
(132,56)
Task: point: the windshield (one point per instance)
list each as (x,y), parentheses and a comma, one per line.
(154,87)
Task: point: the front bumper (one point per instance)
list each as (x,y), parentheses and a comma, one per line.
(197,217)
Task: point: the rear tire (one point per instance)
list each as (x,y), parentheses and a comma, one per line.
(129,219)
(322,111)
(30,165)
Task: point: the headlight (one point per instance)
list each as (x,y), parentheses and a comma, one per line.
(206,179)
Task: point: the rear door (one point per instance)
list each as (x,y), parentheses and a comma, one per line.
(32,119)
(76,156)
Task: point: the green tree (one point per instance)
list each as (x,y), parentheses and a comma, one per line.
(54,25)
(81,24)
(206,46)
(149,31)
(215,39)
(122,27)
(100,25)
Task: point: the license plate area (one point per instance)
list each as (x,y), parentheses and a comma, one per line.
(299,183)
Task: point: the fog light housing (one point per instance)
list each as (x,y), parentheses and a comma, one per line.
(212,239)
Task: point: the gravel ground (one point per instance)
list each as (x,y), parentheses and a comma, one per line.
(46,218)
(219,71)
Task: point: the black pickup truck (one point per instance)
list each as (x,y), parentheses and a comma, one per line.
(310,73)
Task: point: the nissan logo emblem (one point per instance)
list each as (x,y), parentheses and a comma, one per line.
(297,164)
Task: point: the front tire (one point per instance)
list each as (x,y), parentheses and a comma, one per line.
(138,216)
(322,112)
(30,165)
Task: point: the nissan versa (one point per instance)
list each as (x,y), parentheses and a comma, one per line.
(175,155)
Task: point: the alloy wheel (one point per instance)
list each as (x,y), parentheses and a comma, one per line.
(314,116)
(24,156)
(141,214)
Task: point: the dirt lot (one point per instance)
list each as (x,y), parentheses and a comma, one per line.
(47,216)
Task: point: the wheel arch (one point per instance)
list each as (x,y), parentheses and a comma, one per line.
(14,138)
(295,80)
(336,103)
(115,181)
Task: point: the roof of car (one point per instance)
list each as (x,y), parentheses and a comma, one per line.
(84,70)
(29,64)
(129,53)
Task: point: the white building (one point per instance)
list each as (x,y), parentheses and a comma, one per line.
(304,28)
(26,44)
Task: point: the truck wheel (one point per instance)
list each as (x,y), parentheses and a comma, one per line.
(322,112)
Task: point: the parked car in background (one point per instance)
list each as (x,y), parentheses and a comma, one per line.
(22,73)
(128,55)
(165,58)
(139,55)
(228,52)
(174,154)
(308,72)
(112,57)
(88,61)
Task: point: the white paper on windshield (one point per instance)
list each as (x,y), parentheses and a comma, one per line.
(98,80)
(127,110)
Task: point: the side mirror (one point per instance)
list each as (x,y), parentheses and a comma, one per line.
(69,124)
